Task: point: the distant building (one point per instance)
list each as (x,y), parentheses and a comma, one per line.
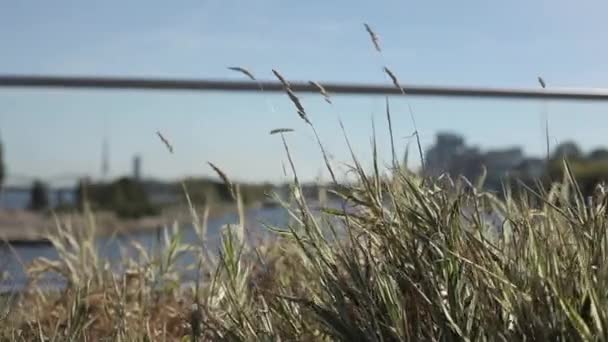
(451,155)
(447,148)
(137,167)
(531,168)
(105,159)
(500,162)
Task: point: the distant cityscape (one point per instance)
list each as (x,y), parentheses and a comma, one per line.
(17,197)
(450,154)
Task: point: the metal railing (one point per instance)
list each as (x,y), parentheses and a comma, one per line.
(95,82)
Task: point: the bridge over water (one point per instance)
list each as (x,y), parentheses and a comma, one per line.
(61,187)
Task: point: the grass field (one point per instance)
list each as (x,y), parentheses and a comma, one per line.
(406,264)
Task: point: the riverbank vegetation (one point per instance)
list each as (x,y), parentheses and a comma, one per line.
(407,263)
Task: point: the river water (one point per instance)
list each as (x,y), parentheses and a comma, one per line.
(20,199)
(115,249)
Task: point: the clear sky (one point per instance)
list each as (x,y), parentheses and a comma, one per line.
(471,43)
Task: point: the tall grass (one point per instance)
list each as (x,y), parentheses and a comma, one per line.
(409,260)
(404,258)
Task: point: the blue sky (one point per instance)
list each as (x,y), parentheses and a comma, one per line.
(470,43)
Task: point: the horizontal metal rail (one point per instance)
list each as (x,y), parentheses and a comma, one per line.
(271,86)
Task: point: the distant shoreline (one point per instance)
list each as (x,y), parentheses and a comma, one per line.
(23,227)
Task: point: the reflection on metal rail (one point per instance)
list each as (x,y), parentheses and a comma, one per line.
(33,81)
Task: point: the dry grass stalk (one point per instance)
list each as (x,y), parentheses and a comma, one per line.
(390,132)
(542,82)
(411,111)
(165,141)
(243,71)
(373,36)
(393,78)
(322,91)
(296,101)
(292,96)
(281,78)
(224,178)
(280,130)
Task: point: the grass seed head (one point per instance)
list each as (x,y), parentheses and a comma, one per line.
(165,141)
(224,178)
(243,71)
(280,130)
(393,78)
(373,36)
(322,91)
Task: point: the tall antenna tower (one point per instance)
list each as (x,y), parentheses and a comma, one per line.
(105,150)
(105,159)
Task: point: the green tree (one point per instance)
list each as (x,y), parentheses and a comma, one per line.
(39,197)
(600,154)
(568,150)
(125,197)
